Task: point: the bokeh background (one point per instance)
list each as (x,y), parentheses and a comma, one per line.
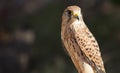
(30,39)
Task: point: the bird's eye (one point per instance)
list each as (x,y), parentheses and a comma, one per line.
(69,12)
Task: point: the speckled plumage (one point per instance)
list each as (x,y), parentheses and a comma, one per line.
(79,42)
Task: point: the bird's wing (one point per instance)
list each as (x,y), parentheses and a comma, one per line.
(90,48)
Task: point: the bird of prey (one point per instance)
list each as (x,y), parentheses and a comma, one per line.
(80,43)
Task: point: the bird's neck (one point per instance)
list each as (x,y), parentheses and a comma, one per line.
(79,24)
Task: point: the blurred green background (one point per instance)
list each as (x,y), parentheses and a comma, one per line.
(30,31)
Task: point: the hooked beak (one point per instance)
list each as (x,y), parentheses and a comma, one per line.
(76,16)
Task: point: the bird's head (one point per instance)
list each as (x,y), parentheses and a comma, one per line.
(71,14)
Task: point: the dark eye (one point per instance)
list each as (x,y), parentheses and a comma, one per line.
(69,12)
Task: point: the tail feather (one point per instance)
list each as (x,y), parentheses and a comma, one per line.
(99,71)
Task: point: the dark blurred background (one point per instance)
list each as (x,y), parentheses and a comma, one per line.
(30,39)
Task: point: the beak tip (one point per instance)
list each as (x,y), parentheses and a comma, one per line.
(76,16)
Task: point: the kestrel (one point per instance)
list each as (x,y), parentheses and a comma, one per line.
(80,43)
